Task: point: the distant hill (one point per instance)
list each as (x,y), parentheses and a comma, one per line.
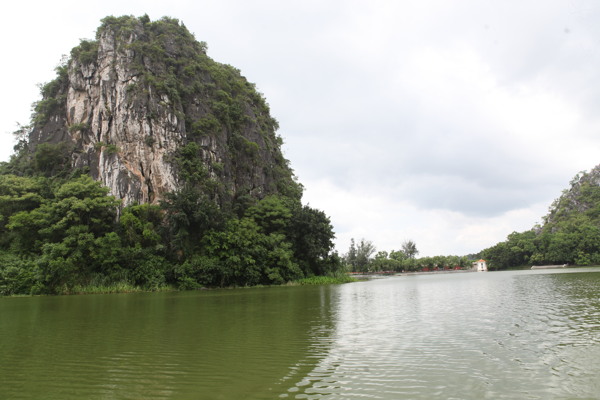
(580,204)
(569,234)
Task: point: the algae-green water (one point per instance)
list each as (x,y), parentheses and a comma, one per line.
(493,335)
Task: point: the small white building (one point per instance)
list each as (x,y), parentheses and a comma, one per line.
(480,265)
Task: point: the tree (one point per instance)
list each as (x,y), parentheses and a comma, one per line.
(66,232)
(140,226)
(364,253)
(359,257)
(383,262)
(247,256)
(189,215)
(52,159)
(18,194)
(350,257)
(410,249)
(311,235)
(397,255)
(271,214)
(81,202)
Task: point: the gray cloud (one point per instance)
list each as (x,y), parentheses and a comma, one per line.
(469,115)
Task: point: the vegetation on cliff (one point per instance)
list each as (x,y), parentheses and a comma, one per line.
(234,218)
(147,111)
(569,234)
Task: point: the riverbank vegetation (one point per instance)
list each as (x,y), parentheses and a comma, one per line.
(364,258)
(332,279)
(60,235)
(569,234)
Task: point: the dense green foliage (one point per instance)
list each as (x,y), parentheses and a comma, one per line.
(60,235)
(362,258)
(570,233)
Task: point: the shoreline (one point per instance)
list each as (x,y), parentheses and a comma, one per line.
(386,275)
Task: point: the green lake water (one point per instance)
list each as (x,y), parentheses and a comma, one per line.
(494,335)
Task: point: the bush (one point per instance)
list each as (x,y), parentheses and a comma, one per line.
(150,271)
(327,280)
(86,52)
(17,276)
(197,272)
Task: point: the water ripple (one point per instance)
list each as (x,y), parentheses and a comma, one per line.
(524,336)
(506,335)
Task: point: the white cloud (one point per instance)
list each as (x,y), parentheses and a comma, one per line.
(389,221)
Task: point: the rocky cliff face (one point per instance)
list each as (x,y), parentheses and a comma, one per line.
(147,111)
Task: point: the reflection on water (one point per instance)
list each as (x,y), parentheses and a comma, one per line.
(500,335)
(505,335)
(225,344)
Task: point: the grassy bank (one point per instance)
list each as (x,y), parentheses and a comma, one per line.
(327,280)
(126,287)
(117,287)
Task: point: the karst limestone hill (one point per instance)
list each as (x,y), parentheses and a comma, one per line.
(147,112)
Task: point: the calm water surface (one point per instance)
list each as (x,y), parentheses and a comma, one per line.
(495,335)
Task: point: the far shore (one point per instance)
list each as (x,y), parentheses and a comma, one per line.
(376,275)
(387,274)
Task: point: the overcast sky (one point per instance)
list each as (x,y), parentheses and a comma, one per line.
(450,123)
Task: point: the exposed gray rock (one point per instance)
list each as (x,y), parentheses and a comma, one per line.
(128,132)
